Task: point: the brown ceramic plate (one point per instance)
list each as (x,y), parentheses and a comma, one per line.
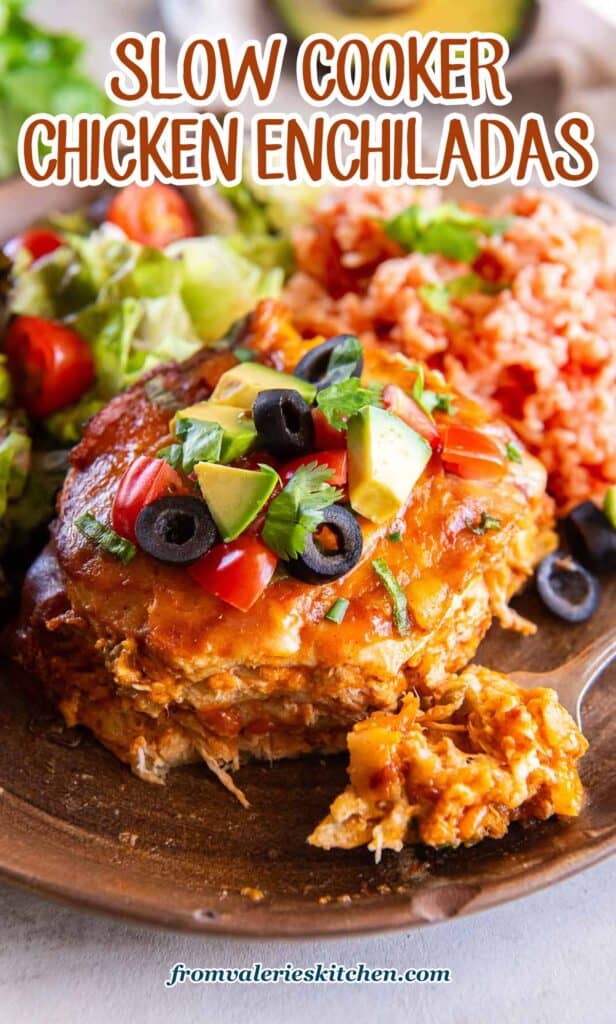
(76,824)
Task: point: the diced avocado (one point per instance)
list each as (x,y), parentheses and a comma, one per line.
(240,385)
(386,459)
(239,434)
(234,496)
(510,18)
(609,504)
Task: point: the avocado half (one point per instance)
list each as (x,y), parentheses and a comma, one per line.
(509,18)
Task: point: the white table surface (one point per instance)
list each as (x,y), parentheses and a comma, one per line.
(547,959)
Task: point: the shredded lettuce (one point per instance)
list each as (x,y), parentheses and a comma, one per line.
(219,286)
(66,426)
(35,506)
(15,450)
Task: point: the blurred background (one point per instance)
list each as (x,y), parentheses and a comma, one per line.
(54,54)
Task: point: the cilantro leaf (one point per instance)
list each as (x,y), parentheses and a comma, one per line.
(173,454)
(513,452)
(447,229)
(296,511)
(201,441)
(106,538)
(396,595)
(486,522)
(344,359)
(433,401)
(342,400)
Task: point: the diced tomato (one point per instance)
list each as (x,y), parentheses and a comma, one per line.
(326,437)
(38,241)
(337,461)
(471,454)
(145,480)
(51,366)
(155,215)
(402,405)
(237,572)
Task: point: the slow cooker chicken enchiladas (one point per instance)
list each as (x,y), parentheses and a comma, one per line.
(286,541)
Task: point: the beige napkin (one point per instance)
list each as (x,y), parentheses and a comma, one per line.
(577,45)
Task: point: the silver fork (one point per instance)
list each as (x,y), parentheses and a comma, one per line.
(573,680)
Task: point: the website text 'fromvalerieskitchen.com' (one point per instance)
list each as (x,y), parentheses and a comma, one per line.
(318,973)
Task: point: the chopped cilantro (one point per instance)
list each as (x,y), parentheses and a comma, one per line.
(341,400)
(344,359)
(337,611)
(201,441)
(432,401)
(485,523)
(173,454)
(396,595)
(447,229)
(513,452)
(295,513)
(609,505)
(438,297)
(106,538)
(160,395)
(244,355)
(396,536)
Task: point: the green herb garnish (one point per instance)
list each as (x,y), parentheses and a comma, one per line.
(342,400)
(396,595)
(344,359)
(244,355)
(446,229)
(174,455)
(485,523)
(296,512)
(609,505)
(513,452)
(201,441)
(438,297)
(106,538)
(337,611)
(432,401)
(158,394)
(396,536)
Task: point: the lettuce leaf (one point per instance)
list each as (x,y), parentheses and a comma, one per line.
(219,286)
(131,336)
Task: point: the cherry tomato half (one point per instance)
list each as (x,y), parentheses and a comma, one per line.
(38,241)
(472,454)
(337,461)
(155,215)
(402,405)
(145,480)
(326,437)
(237,572)
(51,366)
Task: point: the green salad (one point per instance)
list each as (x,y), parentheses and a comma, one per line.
(39,71)
(89,308)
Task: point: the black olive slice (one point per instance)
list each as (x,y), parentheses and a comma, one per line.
(177,529)
(320,565)
(566,588)
(592,538)
(315,364)
(284,422)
